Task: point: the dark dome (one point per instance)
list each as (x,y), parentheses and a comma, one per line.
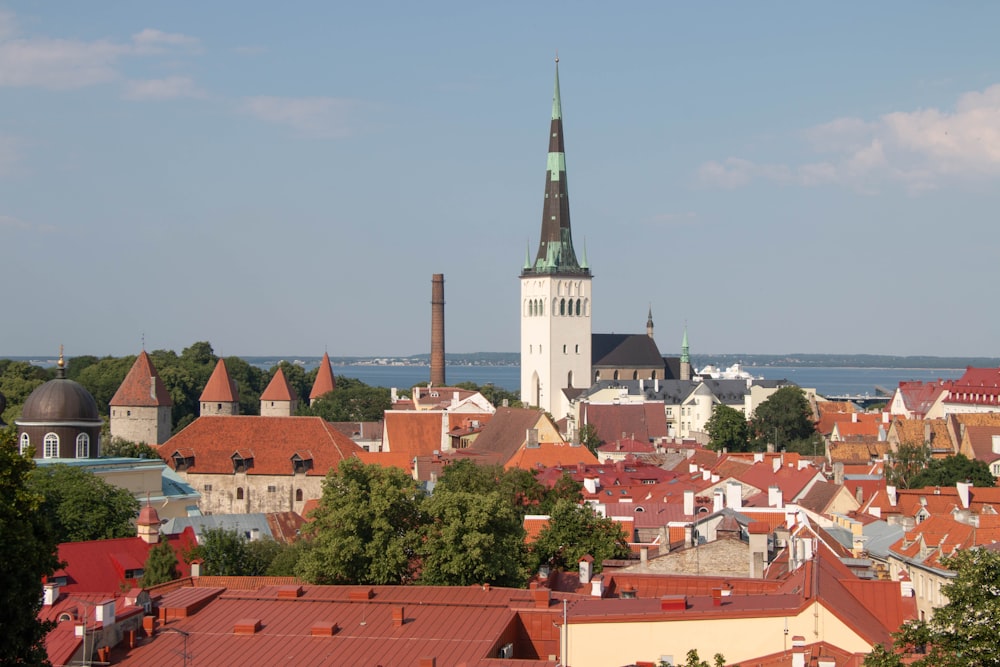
(60,400)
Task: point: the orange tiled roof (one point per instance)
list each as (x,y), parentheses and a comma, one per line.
(414,433)
(324,383)
(142,387)
(269,441)
(220,387)
(278,389)
(549,454)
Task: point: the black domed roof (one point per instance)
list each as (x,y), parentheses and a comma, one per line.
(60,400)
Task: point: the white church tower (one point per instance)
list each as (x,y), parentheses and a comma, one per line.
(555,296)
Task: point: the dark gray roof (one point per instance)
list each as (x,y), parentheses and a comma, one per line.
(624,351)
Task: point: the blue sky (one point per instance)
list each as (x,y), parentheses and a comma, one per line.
(285,178)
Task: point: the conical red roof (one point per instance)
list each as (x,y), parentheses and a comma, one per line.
(324,383)
(220,387)
(279,389)
(142,387)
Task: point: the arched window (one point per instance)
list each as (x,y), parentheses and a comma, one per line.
(298,495)
(653,376)
(569,379)
(635,375)
(597,376)
(616,375)
(578,307)
(562,307)
(83,446)
(25,443)
(239,493)
(586,307)
(51,446)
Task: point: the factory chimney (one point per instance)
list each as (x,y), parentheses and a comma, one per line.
(437,330)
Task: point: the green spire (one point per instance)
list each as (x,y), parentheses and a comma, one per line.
(556,101)
(685,353)
(583,264)
(527,255)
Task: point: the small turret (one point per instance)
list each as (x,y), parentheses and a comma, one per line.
(649,322)
(221,395)
(685,357)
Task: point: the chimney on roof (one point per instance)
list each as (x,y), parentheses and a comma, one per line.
(586,565)
(398,617)
(758,532)
(542,597)
(776,464)
(597,587)
(437,330)
(963,492)
(734,495)
(838,473)
(427,662)
(717,500)
(689,503)
(775,498)
(890,492)
(50,593)
(104,612)
(758,457)
(798,651)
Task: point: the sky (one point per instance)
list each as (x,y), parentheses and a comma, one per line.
(285,178)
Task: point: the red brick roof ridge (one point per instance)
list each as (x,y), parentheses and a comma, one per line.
(136,390)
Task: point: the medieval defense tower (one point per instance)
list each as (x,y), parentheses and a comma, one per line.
(555,295)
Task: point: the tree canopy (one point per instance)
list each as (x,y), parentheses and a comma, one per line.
(81,506)
(472,538)
(952,469)
(366,528)
(963,632)
(28,552)
(784,419)
(350,402)
(728,429)
(908,461)
(575,531)
(160,566)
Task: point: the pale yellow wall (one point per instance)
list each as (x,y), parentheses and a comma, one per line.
(738,639)
(221,497)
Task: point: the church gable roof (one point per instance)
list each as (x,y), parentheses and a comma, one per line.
(278,389)
(624,351)
(220,387)
(142,387)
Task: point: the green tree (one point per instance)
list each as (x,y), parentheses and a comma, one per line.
(251,382)
(952,469)
(366,529)
(472,539)
(17,380)
(728,429)
(103,378)
(883,657)
(590,439)
(259,556)
(573,532)
(519,488)
(350,403)
(223,552)
(908,461)
(113,447)
(693,660)
(784,419)
(161,565)
(494,394)
(963,632)
(285,562)
(81,506)
(28,552)
(565,489)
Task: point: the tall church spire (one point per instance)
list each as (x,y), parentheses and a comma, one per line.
(555,249)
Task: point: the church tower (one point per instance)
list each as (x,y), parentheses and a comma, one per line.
(685,357)
(141,408)
(555,295)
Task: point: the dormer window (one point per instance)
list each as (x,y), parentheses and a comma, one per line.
(183,459)
(242,461)
(301,463)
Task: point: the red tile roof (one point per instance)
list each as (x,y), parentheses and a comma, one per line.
(99,566)
(142,386)
(978,386)
(412,433)
(438,622)
(278,389)
(919,397)
(549,454)
(630,420)
(220,387)
(269,441)
(324,383)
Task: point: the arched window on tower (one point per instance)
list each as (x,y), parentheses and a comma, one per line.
(569,379)
(298,495)
(616,375)
(239,493)
(578,307)
(562,307)
(25,443)
(51,446)
(83,446)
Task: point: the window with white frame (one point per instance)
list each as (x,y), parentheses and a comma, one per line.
(51,446)
(83,446)
(25,443)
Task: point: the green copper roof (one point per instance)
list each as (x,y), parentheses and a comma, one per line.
(685,356)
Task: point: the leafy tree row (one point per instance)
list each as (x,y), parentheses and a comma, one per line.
(784,419)
(375,525)
(912,467)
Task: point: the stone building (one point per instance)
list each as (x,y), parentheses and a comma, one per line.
(59,420)
(141,408)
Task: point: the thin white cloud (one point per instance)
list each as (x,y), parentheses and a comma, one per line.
(67,64)
(919,149)
(325,117)
(10,222)
(169,88)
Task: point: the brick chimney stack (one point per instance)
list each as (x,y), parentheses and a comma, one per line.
(437,330)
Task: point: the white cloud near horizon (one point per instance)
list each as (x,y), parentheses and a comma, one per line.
(918,149)
(68,64)
(322,117)
(169,88)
